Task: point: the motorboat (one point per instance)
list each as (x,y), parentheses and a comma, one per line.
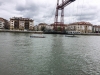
(37,36)
(72,33)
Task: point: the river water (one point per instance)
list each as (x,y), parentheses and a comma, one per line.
(53,55)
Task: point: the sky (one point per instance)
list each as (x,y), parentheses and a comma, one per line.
(43,11)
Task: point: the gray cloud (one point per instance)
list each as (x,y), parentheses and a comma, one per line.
(44,10)
(86,13)
(33,10)
(29,7)
(85,18)
(1,3)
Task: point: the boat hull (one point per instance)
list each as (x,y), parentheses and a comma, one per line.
(37,37)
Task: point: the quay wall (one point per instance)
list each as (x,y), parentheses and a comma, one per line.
(39,32)
(86,34)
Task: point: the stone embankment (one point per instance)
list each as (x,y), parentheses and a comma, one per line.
(22,31)
(41,32)
(97,34)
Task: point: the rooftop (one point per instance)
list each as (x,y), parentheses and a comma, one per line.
(81,23)
(20,18)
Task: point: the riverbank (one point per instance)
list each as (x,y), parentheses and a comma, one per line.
(22,31)
(41,32)
(96,34)
(72,34)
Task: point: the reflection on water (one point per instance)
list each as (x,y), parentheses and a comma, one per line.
(53,55)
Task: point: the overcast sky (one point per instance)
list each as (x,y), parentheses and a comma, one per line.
(44,10)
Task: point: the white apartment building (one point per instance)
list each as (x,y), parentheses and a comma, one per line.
(1,24)
(19,23)
(82,27)
(12,24)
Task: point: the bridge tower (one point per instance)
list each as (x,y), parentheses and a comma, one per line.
(61,7)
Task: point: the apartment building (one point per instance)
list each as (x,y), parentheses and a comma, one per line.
(4,24)
(19,23)
(96,29)
(82,27)
(1,23)
(42,26)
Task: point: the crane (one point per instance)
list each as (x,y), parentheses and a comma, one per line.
(61,7)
